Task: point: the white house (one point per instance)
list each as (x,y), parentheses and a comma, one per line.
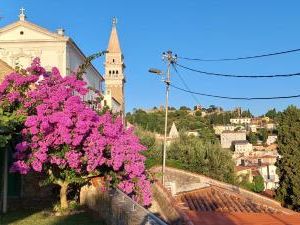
(110,102)
(242,147)
(270,126)
(220,128)
(270,176)
(271,139)
(227,137)
(192,133)
(251,128)
(240,120)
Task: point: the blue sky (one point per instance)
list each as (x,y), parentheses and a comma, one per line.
(206,29)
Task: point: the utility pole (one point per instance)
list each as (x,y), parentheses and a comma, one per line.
(171,59)
(168,56)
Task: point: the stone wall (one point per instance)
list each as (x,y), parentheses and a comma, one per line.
(116,208)
(168,207)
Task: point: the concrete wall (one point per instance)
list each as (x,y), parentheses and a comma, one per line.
(116,208)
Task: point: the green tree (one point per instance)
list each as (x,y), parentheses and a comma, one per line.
(271,113)
(288,166)
(247,113)
(154,148)
(184,108)
(198,156)
(258,184)
(252,138)
(263,135)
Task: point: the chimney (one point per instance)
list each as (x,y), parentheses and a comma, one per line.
(259,162)
(60,31)
(268,172)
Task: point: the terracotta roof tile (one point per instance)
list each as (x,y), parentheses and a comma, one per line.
(217,218)
(216,206)
(214,199)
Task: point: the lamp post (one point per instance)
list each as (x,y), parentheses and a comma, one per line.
(168,56)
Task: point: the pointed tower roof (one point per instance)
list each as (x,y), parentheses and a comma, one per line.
(114,44)
(173,132)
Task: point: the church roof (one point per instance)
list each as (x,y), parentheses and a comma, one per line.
(35,27)
(4,69)
(114,44)
(54,35)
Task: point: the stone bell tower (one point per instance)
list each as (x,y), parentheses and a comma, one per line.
(114,68)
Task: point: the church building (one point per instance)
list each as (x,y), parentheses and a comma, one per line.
(22,41)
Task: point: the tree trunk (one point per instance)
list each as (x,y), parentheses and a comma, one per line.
(63,195)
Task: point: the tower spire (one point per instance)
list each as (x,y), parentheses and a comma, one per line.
(114,44)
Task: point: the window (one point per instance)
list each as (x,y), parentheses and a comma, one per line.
(21,32)
(109,72)
(113,72)
(117,72)
(113,60)
(242,162)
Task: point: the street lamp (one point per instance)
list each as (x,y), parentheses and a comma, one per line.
(171,60)
(159,72)
(155,71)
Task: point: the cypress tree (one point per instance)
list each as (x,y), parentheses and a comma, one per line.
(288,165)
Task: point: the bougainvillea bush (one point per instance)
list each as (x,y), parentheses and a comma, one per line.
(12,114)
(70,142)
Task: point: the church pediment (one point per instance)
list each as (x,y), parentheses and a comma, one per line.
(24,30)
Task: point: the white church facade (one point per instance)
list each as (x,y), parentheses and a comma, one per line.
(22,41)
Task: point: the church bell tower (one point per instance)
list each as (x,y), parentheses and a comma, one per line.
(114,68)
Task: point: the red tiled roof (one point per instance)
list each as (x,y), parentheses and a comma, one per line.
(216,206)
(216,218)
(214,199)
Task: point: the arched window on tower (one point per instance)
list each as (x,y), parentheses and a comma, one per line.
(113,60)
(109,72)
(113,72)
(117,72)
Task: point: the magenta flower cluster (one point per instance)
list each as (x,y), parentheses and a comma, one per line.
(62,133)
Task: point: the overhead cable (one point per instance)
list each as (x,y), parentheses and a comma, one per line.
(240,58)
(238,76)
(185,85)
(235,98)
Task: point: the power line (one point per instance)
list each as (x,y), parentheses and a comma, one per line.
(185,85)
(240,58)
(235,98)
(238,76)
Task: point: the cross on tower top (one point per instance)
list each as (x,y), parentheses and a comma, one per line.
(22,14)
(114,21)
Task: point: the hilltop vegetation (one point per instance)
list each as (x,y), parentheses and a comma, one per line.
(183,118)
(202,154)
